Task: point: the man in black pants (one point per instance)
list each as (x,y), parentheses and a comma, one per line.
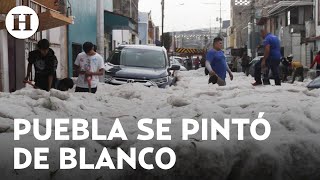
(90,66)
(270,61)
(258,71)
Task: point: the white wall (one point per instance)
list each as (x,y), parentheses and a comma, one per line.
(296,47)
(137,40)
(121,37)
(57,37)
(303,54)
(4,66)
(108,5)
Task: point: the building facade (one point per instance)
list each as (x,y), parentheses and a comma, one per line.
(244,31)
(143,27)
(14,52)
(294,23)
(122,23)
(84,28)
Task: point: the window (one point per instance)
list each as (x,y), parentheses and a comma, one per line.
(293,16)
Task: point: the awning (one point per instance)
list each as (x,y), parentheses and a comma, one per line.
(117,21)
(285,4)
(48,20)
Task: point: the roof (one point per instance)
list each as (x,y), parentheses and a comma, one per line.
(285,4)
(154,48)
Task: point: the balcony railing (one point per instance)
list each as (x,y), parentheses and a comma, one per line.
(40,6)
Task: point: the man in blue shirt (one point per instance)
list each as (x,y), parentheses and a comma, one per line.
(270,61)
(216,63)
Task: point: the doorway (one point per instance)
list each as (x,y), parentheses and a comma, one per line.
(76,49)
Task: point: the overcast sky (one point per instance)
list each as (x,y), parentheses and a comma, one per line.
(187,14)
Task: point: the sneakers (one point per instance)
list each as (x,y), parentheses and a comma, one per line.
(266,82)
(213,80)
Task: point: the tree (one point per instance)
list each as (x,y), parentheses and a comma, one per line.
(167,40)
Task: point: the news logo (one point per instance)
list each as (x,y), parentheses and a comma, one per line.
(22,22)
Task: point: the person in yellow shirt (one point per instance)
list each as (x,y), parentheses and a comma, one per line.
(297,68)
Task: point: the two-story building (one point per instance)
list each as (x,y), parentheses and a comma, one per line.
(121,25)
(14,52)
(293,22)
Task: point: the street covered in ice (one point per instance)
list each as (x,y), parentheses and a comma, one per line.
(291,152)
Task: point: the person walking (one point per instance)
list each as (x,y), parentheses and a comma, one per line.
(316,61)
(197,63)
(90,66)
(270,61)
(217,65)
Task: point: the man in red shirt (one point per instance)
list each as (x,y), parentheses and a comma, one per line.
(316,60)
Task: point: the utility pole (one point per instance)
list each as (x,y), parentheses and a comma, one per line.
(162,3)
(130,9)
(220,20)
(253,34)
(210,28)
(100,27)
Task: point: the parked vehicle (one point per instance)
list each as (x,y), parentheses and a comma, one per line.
(148,65)
(175,61)
(253,63)
(315,84)
(180,59)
